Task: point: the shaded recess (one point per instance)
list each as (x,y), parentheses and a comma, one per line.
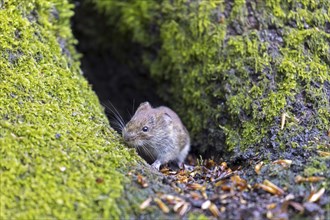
(112,64)
(232,69)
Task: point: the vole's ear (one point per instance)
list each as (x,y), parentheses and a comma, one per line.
(167,118)
(144,106)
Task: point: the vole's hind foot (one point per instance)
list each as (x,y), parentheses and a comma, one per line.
(181,165)
(187,167)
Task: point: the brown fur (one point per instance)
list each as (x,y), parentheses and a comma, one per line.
(166,139)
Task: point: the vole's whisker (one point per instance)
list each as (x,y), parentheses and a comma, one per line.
(145,147)
(130,115)
(117,125)
(133,106)
(113,111)
(164,142)
(115,121)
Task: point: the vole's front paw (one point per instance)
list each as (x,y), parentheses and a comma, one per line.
(156,165)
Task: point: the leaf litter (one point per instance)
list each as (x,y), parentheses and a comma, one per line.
(218,191)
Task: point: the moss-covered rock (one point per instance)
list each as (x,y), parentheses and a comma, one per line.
(59,157)
(250,79)
(234,69)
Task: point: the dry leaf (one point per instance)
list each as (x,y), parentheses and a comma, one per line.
(273,190)
(323,153)
(297,206)
(278,190)
(142,181)
(183,179)
(146,203)
(222,209)
(210,164)
(269,215)
(214,210)
(300,179)
(181,208)
(178,206)
(226,188)
(289,197)
(165,170)
(243,201)
(219,183)
(283,118)
(223,166)
(239,182)
(206,204)
(284,163)
(258,167)
(204,194)
(271,206)
(195,186)
(313,197)
(172,199)
(184,209)
(195,195)
(162,205)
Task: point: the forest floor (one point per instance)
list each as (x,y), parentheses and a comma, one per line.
(216,190)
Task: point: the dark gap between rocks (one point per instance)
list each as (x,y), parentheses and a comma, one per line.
(112,63)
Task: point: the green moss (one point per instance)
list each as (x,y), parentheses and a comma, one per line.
(317,166)
(195,216)
(238,67)
(59,157)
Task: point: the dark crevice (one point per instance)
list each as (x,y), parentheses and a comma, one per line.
(111,62)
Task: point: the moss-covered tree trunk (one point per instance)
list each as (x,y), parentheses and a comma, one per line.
(58,156)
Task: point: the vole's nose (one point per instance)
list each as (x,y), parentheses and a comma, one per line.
(126,136)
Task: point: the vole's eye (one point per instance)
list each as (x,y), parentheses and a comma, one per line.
(145,129)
